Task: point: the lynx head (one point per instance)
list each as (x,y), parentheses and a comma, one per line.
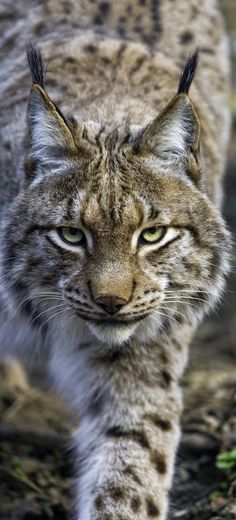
(112,225)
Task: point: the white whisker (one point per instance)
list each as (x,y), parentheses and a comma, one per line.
(183,303)
(185,299)
(173,310)
(164,314)
(53,316)
(192,291)
(29,298)
(47,310)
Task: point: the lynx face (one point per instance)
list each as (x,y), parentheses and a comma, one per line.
(125,240)
(113,225)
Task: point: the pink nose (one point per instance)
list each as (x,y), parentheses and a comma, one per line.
(110,304)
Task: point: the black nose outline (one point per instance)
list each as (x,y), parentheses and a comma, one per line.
(111,304)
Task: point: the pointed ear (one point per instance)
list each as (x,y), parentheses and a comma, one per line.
(50,138)
(174,136)
(174,133)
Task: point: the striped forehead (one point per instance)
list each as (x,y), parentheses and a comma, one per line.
(93,213)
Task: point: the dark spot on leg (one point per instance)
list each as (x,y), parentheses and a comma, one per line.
(135,504)
(130,471)
(166,378)
(158,460)
(152,509)
(163,424)
(186,37)
(133,435)
(164,357)
(116,493)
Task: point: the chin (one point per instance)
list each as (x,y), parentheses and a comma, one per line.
(111,334)
(118,334)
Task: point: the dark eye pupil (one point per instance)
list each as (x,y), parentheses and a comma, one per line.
(152,230)
(73,231)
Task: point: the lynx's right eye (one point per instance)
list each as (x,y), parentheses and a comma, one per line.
(70,235)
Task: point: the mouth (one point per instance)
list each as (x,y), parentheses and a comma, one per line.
(110,330)
(114,322)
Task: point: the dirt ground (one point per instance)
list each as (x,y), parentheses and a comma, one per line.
(36,464)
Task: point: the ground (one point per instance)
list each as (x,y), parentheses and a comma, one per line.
(36,480)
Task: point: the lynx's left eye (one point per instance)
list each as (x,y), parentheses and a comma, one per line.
(153,234)
(71,235)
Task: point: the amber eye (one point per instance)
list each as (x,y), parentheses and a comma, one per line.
(153,234)
(71,235)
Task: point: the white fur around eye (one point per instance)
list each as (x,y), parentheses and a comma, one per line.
(55,237)
(170,234)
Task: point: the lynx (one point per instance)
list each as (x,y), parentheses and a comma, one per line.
(113,243)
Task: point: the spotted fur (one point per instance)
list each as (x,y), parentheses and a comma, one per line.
(113,316)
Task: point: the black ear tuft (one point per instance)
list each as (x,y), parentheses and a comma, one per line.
(188,72)
(36,64)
